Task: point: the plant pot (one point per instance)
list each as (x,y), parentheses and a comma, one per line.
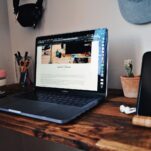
(130,86)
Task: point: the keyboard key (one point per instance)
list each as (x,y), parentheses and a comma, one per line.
(58,98)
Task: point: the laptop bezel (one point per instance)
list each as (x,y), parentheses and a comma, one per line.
(74,90)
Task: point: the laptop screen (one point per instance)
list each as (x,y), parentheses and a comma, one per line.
(75,61)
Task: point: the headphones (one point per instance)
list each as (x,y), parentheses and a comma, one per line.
(28,15)
(127,110)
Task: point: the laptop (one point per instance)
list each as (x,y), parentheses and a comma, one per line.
(70,77)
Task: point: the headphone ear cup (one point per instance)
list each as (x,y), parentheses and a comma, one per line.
(25,15)
(122,108)
(37,15)
(29,15)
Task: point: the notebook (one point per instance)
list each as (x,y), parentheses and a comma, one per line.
(70,77)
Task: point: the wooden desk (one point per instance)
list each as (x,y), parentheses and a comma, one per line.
(102,128)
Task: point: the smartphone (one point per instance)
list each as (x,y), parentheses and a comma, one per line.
(144,95)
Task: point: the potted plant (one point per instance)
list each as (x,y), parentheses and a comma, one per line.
(130,83)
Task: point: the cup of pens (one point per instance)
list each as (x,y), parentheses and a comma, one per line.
(23,64)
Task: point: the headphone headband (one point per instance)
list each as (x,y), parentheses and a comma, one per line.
(39,3)
(16,5)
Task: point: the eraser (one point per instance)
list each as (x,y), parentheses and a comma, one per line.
(2,73)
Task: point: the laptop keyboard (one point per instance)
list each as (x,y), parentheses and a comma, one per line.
(63,99)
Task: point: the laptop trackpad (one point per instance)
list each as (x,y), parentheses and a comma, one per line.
(42,109)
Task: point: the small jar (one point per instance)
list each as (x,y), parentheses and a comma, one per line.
(3,76)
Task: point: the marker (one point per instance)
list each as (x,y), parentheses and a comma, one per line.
(26,55)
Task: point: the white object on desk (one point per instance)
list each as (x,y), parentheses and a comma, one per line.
(2,82)
(127,110)
(3,76)
(2,92)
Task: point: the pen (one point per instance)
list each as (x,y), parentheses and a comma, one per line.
(26,55)
(19,55)
(17,59)
(23,63)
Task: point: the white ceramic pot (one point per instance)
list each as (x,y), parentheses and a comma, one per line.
(2,77)
(3,82)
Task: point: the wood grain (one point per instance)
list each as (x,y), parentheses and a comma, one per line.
(144,121)
(104,122)
(116,146)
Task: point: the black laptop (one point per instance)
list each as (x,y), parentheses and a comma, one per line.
(70,77)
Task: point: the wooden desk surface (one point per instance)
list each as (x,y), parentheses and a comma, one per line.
(102,128)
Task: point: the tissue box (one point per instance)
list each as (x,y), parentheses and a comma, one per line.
(2,77)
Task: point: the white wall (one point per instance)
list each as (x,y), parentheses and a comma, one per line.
(125,40)
(5,48)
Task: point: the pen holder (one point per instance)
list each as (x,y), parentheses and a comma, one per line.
(24,64)
(24,79)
